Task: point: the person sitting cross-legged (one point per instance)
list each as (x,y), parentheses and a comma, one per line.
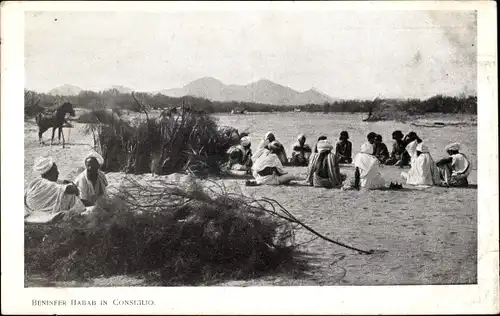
(92,181)
(343,149)
(323,170)
(300,152)
(47,199)
(368,167)
(240,156)
(423,170)
(454,169)
(268,169)
(399,156)
(381,151)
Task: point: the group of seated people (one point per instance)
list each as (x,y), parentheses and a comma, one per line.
(48,199)
(323,170)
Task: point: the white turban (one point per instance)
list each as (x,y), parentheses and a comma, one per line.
(367,148)
(422,148)
(453,146)
(95,155)
(245,141)
(301,136)
(324,145)
(267,135)
(43,164)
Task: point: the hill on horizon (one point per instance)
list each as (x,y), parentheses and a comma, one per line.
(263,91)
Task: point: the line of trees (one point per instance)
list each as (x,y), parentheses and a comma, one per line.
(115,99)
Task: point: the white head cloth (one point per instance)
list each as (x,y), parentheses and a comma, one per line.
(324,145)
(367,148)
(245,141)
(95,155)
(422,148)
(43,164)
(453,146)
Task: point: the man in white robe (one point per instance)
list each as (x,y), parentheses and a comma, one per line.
(240,156)
(267,167)
(47,199)
(423,169)
(369,168)
(456,168)
(92,182)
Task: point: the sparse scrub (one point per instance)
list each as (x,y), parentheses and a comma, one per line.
(162,145)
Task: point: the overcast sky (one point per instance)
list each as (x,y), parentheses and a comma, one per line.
(346,54)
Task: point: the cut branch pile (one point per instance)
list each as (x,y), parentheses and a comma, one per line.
(161,145)
(185,238)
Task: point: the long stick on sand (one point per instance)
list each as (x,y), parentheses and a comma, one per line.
(295,220)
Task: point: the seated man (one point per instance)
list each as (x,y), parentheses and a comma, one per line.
(268,139)
(47,199)
(399,156)
(381,151)
(268,169)
(411,140)
(367,166)
(300,152)
(323,170)
(456,168)
(240,156)
(344,148)
(92,182)
(423,170)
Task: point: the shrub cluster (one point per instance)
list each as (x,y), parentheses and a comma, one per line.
(113,99)
(161,144)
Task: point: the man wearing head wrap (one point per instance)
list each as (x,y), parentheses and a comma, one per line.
(455,169)
(300,152)
(323,170)
(369,168)
(268,138)
(322,137)
(423,170)
(399,156)
(267,167)
(47,199)
(240,156)
(92,181)
(343,149)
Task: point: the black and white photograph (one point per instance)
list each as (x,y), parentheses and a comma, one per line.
(245,147)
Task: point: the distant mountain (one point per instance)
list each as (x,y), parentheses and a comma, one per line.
(65,90)
(262,91)
(312,96)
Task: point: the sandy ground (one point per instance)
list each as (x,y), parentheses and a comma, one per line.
(430,235)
